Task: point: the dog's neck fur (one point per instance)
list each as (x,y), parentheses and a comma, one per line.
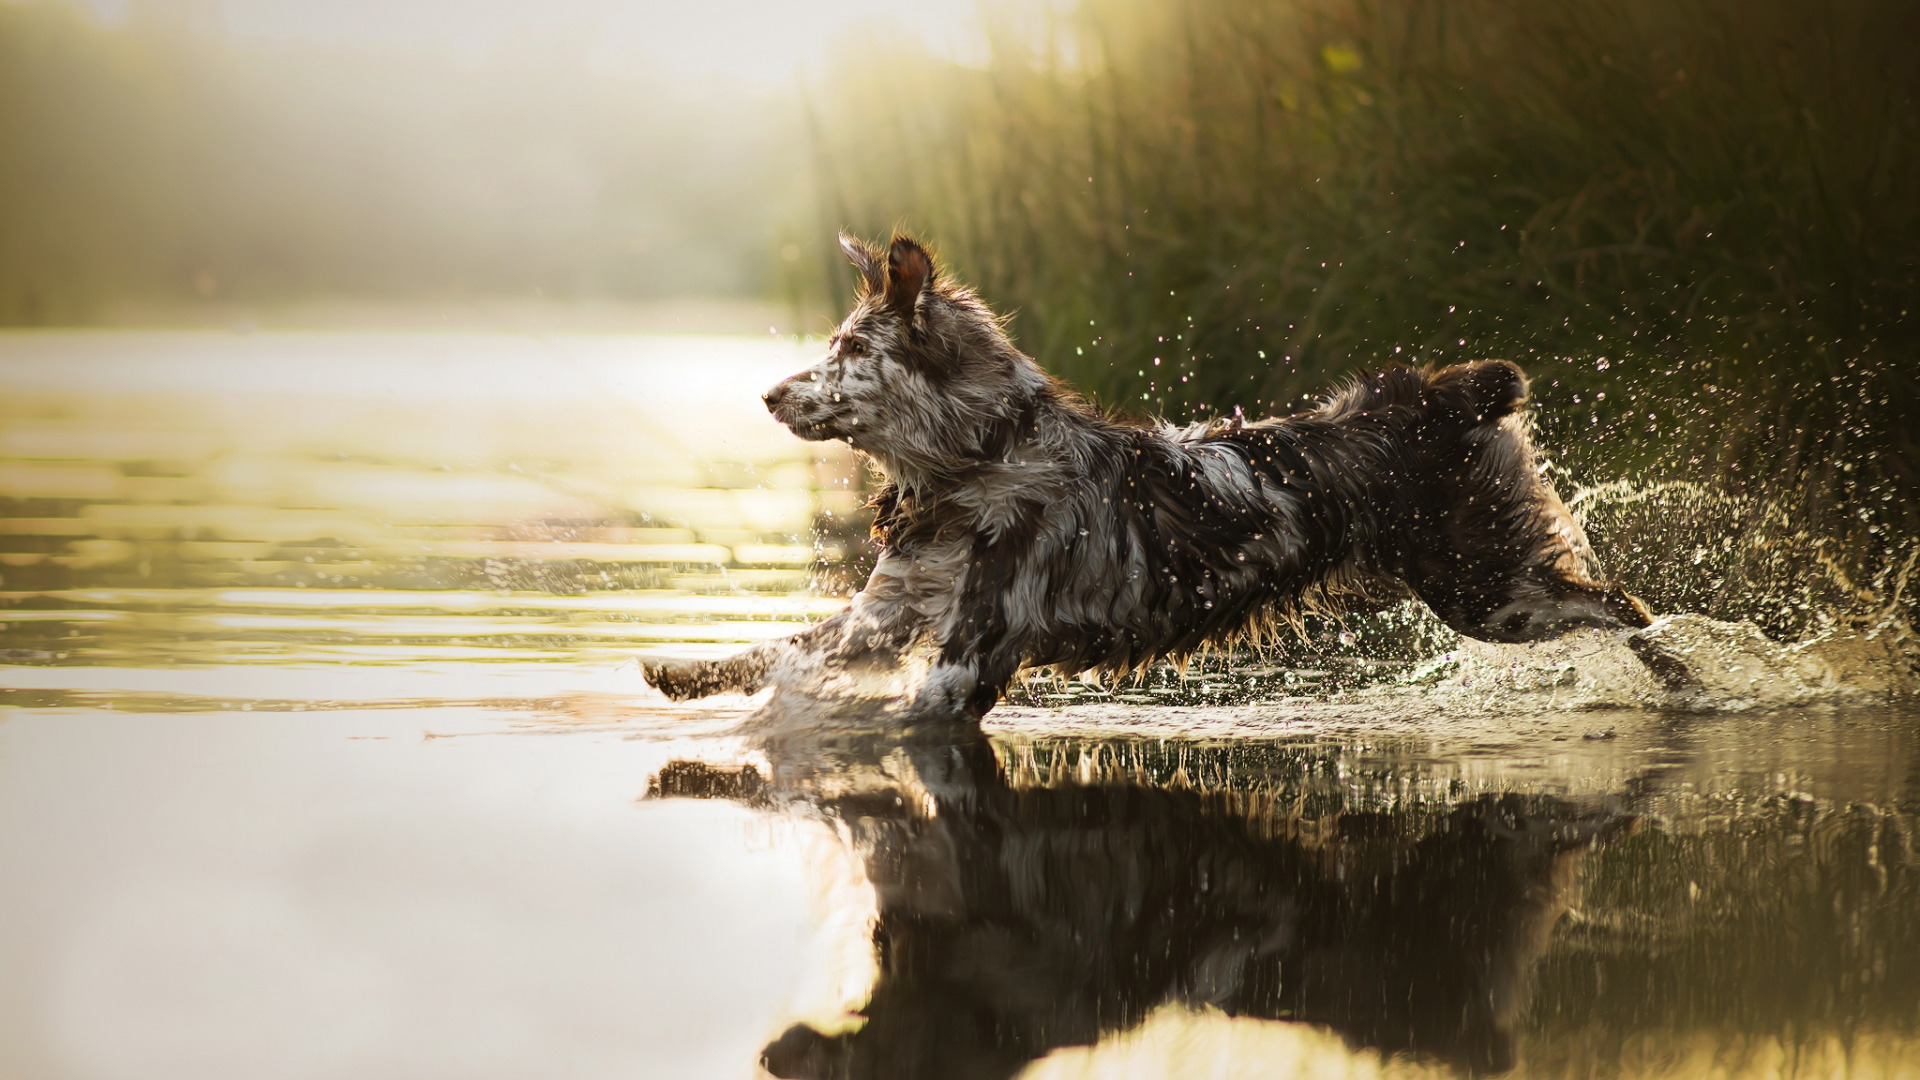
(974,422)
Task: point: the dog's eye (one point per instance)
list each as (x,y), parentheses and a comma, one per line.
(855,347)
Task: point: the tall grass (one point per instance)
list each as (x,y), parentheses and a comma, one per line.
(1695,221)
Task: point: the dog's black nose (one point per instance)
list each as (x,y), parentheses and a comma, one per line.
(774,396)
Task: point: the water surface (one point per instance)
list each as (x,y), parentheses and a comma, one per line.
(324,755)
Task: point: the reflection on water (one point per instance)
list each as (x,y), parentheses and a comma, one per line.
(1015,921)
(1742,904)
(323,759)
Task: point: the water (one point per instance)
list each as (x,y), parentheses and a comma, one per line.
(323,755)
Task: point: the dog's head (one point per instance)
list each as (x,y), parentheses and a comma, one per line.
(920,374)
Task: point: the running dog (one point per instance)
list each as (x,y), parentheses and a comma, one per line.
(1018,526)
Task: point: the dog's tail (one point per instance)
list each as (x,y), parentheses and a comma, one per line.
(1485,391)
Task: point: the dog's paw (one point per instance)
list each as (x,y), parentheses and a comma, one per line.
(948,694)
(683,680)
(679,680)
(1628,608)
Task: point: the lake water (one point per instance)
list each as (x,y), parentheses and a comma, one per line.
(323,754)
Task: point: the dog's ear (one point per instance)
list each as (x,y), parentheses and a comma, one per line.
(867,259)
(909,273)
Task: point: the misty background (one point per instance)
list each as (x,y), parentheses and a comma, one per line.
(173,160)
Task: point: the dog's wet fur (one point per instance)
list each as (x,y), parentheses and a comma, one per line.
(1018,526)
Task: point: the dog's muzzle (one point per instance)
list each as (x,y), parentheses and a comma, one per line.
(781,403)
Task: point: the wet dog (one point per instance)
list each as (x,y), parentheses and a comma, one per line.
(1018,526)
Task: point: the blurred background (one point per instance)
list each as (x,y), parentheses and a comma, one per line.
(180,161)
(1695,223)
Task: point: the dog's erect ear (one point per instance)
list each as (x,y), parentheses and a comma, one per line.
(909,273)
(867,259)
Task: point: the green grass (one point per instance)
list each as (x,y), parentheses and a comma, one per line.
(1695,223)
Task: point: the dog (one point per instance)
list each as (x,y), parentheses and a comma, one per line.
(1019,526)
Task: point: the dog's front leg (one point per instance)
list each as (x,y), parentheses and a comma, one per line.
(968,676)
(875,628)
(743,672)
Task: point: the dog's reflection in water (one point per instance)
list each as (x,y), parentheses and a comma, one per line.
(1016,920)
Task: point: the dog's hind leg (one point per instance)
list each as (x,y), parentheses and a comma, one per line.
(1542,610)
(1494,551)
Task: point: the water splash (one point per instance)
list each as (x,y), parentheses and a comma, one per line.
(1680,662)
(1758,557)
